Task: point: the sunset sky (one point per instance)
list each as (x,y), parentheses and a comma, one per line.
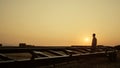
(59,22)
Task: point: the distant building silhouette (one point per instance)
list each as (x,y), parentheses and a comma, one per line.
(25,45)
(94,42)
(0,45)
(22,44)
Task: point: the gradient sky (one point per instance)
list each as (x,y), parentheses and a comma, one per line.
(59,22)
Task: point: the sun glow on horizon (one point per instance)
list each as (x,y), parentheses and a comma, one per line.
(87,40)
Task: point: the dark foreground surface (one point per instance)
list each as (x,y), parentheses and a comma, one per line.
(90,62)
(58,57)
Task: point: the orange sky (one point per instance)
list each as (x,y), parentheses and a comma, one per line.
(59,22)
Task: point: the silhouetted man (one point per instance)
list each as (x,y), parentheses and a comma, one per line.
(94,42)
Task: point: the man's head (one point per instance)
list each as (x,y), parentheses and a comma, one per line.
(94,34)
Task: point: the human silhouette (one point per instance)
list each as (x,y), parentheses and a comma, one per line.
(94,42)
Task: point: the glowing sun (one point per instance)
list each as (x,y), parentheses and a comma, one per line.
(87,39)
